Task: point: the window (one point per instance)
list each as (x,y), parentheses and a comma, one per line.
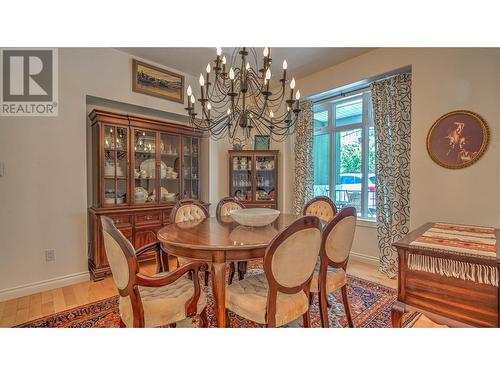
(344,153)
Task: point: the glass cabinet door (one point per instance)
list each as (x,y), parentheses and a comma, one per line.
(115,165)
(169,174)
(145,174)
(186,167)
(195,163)
(241,179)
(265,184)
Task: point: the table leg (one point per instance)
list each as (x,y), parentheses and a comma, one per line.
(219,292)
(397,312)
(168,262)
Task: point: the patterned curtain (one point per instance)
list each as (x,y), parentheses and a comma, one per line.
(392,117)
(304,172)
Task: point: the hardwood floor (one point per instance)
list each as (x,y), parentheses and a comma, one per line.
(24,309)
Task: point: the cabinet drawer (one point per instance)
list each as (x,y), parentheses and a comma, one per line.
(147,218)
(120,220)
(127,232)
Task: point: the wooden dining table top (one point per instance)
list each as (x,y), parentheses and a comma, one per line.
(222,234)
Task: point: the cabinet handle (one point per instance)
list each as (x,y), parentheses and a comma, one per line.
(116,221)
(148,217)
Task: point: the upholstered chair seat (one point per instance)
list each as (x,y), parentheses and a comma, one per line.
(248,298)
(280,295)
(164,305)
(336,278)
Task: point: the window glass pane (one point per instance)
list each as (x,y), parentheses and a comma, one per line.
(350,111)
(321,160)
(348,169)
(372,212)
(320,117)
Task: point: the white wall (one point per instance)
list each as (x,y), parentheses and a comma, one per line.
(43,194)
(444,79)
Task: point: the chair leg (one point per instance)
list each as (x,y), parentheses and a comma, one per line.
(122,324)
(242,269)
(307,319)
(228,325)
(203,318)
(232,271)
(346,306)
(206,277)
(323,310)
(311,298)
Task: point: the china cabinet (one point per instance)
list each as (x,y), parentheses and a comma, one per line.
(253,177)
(140,168)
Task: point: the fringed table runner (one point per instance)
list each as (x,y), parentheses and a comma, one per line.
(465,240)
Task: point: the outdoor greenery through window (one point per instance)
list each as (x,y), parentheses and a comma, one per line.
(344,152)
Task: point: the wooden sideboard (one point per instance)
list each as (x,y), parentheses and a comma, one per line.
(140,168)
(445,300)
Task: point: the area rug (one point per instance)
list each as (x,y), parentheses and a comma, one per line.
(370,307)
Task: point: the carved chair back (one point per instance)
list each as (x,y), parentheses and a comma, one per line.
(290,259)
(226,205)
(188,209)
(322,207)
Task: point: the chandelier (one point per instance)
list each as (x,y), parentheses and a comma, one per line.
(237,99)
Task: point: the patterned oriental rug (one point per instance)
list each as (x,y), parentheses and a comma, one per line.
(370,307)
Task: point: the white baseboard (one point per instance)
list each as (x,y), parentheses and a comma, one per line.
(365,258)
(42,286)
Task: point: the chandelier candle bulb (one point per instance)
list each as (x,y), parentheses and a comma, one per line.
(231,77)
(292,86)
(223,66)
(209,107)
(297,97)
(189,92)
(285,66)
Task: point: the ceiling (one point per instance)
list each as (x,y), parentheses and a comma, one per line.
(302,61)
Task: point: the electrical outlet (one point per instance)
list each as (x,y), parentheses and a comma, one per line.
(50,255)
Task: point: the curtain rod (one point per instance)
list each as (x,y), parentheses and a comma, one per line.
(356,87)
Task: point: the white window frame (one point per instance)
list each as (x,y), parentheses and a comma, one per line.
(332,129)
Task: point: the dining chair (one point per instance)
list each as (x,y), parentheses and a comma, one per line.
(280,294)
(322,207)
(186,210)
(225,206)
(330,272)
(151,301)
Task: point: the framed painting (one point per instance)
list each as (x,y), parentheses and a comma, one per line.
(458,139)
(262,142)
(151,80)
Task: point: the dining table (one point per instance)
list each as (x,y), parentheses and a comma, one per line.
(218,242)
